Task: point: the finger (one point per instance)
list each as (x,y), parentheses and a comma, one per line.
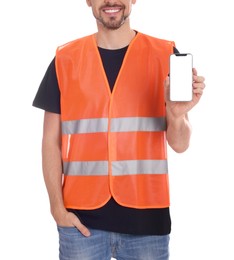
(198,79)
(199,85)
(198,91)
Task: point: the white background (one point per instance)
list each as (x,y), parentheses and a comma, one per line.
(201,180)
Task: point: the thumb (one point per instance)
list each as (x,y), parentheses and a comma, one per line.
(167,88)
(82,228)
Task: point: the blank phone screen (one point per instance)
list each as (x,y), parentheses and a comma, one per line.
(181,77)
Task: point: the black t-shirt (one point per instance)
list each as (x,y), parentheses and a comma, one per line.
(112,216)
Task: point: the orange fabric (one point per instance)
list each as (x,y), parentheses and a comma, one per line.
(139,146)
(90,193)
(138,92)
(85,147)
(137,195)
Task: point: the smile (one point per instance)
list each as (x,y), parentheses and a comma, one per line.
(112,10)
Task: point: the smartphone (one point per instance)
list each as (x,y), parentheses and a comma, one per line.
(181,77)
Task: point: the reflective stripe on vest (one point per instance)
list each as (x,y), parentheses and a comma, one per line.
(85,126)
(98,168)
(127,124)
(139,167)
(128,167)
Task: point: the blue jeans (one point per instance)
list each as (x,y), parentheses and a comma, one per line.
(103,245)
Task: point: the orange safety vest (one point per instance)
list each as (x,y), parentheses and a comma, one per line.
(114,144)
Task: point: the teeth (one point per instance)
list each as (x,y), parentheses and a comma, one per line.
(112,11)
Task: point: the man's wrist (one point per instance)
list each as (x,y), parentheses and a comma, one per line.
(176,121)
(58,212)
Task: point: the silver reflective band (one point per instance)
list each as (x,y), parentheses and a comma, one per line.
(83,126)
(96,168)
(133,124)
(119,168)
(123,124)
(129,167)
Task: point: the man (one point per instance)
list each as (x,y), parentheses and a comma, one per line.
(107,119)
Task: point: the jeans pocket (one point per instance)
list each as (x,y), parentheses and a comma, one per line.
(63,230)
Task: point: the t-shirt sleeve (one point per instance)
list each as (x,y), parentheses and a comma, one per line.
(48,94)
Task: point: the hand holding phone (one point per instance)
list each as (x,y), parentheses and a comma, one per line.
(181,77)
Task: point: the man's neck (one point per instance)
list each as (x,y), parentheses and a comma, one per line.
(114,39)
